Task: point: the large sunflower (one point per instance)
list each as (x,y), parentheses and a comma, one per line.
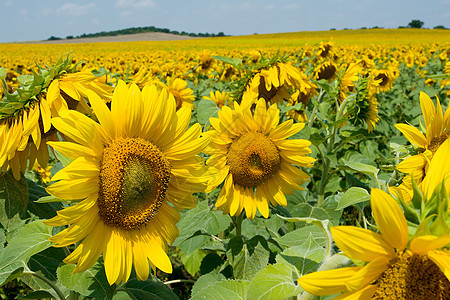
(394,271)
(25,118)
(126,169)
(254,159)
(437,127)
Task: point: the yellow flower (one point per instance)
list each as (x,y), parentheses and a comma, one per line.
(386,78)
(437,131)
(347,82)
(254,159)
(273,84)
(25,132)
(326,70)
(43,173)
(126,169)
(220,98)
(177,88)
(394,270)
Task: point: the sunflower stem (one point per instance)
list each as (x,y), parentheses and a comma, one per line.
(239,224)
(313,114)
(47,281)
(179,281)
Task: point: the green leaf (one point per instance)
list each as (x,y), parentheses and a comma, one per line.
(305,257)
(235,62)
(29,240)
(3,73)
(303,210)
(245,264)
(13,198)
(205,110)
(210,262)
(150,289)
(193,261)
(352,196)
(205,281)
(90,283)
(274,282)
(224,290)
(298,236)
(37,295)
(200,218)
(362,168)
(42,210)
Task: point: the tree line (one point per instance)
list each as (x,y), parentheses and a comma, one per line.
(134,30)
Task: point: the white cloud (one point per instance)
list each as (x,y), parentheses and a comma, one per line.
(134,3)
(95,21)
(74,9)
(23,12)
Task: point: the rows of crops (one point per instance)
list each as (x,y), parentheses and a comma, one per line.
(258,167)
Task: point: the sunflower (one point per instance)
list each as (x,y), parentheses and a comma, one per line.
(220,98)
(125,170)
(25,118)
(327,70)
(273,84)
(394,271)
(365,105)
(178,89)
(301,97)
(347,82)
(437,127)
(386,78)
(254,159)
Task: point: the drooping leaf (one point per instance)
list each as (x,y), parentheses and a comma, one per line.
(352,196)
(149,289)
(13,198)
(193,261)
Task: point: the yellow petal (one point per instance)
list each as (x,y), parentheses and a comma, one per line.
(361,244)
(438,170)
(390,219)
(102,113)
(428,111)
(412,163)
(365,293)
(412,134)
(327,282)
(425,243)
(369,273)
(442,260)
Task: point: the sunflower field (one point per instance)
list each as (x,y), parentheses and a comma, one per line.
(287,166)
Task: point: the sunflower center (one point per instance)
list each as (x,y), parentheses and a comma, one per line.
(253,158)
(326,72)
(412,276)
(263,92)
(384,79)
(437,142)
(134,177)
(178,99)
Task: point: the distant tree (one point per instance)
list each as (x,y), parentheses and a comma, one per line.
(415,24)
(221,34)
(363,28)
(439,27)
(69,37)
(332,28)
(54,38)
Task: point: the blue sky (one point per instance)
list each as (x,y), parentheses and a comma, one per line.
(28,20)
